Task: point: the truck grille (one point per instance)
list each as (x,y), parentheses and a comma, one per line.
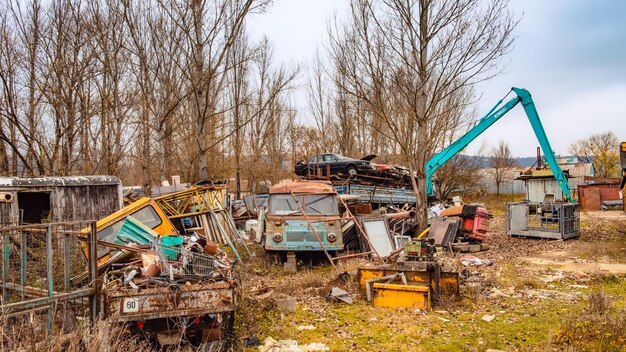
(296,236)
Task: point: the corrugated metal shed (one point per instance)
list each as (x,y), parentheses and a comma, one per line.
(577,172)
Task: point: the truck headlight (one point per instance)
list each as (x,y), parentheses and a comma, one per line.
(331,237)
(277,237)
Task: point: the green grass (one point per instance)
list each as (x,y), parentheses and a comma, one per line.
(523,321)
(527,324)
(364,327)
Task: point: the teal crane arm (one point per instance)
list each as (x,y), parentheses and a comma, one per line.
(489,119)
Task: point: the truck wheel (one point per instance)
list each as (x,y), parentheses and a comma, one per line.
(279,257)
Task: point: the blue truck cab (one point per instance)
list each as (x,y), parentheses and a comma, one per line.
(300,215)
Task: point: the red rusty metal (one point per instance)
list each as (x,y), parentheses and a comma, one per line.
(194,299)
(591,196)
(307,187)
(402,215)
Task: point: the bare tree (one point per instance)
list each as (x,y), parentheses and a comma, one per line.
(414,63)
(501,162)
(141,89)
(602,150)
(271,116)
(461,174)
(320,104)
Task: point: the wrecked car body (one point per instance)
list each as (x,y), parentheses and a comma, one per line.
(333,164)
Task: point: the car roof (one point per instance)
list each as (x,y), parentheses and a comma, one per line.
(308,187)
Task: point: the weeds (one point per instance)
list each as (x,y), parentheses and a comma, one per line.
(25,335)
(597,328)
(599,303)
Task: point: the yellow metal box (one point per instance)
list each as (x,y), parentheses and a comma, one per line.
(538,173)
(394,295)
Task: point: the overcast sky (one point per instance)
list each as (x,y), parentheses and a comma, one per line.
(570,54)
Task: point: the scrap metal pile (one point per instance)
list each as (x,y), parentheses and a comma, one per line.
(457,228)
(462,228)
(173,260)
(181,289)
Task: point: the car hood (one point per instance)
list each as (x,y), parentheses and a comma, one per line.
(369,157)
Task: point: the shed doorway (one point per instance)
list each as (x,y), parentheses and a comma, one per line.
(34,207)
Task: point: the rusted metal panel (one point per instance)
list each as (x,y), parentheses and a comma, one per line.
(603,180)
(172,301)
(592,196)
(609,193)
(589,198)
(9,213)
(308,187)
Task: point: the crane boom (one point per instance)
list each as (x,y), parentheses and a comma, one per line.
(523,96)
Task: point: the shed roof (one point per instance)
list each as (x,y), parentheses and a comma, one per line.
(59,181)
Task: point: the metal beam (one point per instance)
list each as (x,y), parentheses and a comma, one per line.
(27,305)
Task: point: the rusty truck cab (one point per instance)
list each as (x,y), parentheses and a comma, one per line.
(303,216)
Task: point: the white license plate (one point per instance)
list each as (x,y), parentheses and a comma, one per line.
(131,305)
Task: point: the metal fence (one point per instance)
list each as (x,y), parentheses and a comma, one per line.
(39,263)
(542,220)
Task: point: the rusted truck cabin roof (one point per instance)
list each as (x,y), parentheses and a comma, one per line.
(299,187)
(58,181)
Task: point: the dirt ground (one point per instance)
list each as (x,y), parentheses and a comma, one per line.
(538,295)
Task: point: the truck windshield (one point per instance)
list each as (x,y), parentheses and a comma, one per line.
(313,204)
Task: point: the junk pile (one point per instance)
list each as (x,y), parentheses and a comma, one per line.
(171,284)
(461,228)
(249,207)
(387,230)
(173,260)
(176,289)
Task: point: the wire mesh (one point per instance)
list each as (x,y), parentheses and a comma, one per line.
(191,261)
(39,261)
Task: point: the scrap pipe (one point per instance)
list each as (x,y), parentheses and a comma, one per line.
(410,214)
(24,306)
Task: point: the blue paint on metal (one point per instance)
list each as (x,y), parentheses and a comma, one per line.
(23,260)
(487,121)
(49,277)
(378,194)
(535,122)
(6,253)
(298,236)
(133,231)
(67,265)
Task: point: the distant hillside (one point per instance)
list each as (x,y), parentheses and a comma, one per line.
(527,161)
(521,161)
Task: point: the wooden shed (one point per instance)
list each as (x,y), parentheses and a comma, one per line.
(58,199)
